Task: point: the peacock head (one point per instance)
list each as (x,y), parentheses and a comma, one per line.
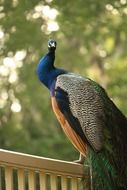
(51,45)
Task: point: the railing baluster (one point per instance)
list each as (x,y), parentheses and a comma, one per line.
(0,180)
(31,180)
(64,182)
(74,183)
(42,181)
(9,178)
(53,182)
(21,179)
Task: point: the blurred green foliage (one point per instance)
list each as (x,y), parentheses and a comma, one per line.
(91,41)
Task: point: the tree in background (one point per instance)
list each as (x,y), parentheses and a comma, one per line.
(91,38)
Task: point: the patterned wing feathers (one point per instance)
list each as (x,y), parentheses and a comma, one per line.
(85,105)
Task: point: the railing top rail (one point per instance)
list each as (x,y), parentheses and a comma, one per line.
(21,160)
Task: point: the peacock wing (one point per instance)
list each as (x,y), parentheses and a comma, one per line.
(84,108)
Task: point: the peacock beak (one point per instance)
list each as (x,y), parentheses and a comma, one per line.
(53,44)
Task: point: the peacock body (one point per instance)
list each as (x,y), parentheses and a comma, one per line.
(91,121)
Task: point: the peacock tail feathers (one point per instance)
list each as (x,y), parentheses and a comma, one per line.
(104,173)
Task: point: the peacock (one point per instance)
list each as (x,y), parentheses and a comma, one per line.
(91,121)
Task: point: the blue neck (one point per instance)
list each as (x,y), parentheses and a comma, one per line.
(46,71)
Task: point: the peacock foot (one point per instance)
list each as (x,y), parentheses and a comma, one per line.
(80,160)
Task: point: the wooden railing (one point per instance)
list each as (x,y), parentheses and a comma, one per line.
(27,172)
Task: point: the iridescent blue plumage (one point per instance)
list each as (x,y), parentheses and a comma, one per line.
(46,71)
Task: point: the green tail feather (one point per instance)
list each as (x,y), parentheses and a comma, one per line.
(104,172)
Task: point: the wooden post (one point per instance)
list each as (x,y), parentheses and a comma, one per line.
(64,182)
(9,178)
(42,181)
(21,179)
(31,180)
(0,180)
(53,182)
(74,183)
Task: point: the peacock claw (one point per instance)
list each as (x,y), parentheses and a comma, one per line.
(81,159)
